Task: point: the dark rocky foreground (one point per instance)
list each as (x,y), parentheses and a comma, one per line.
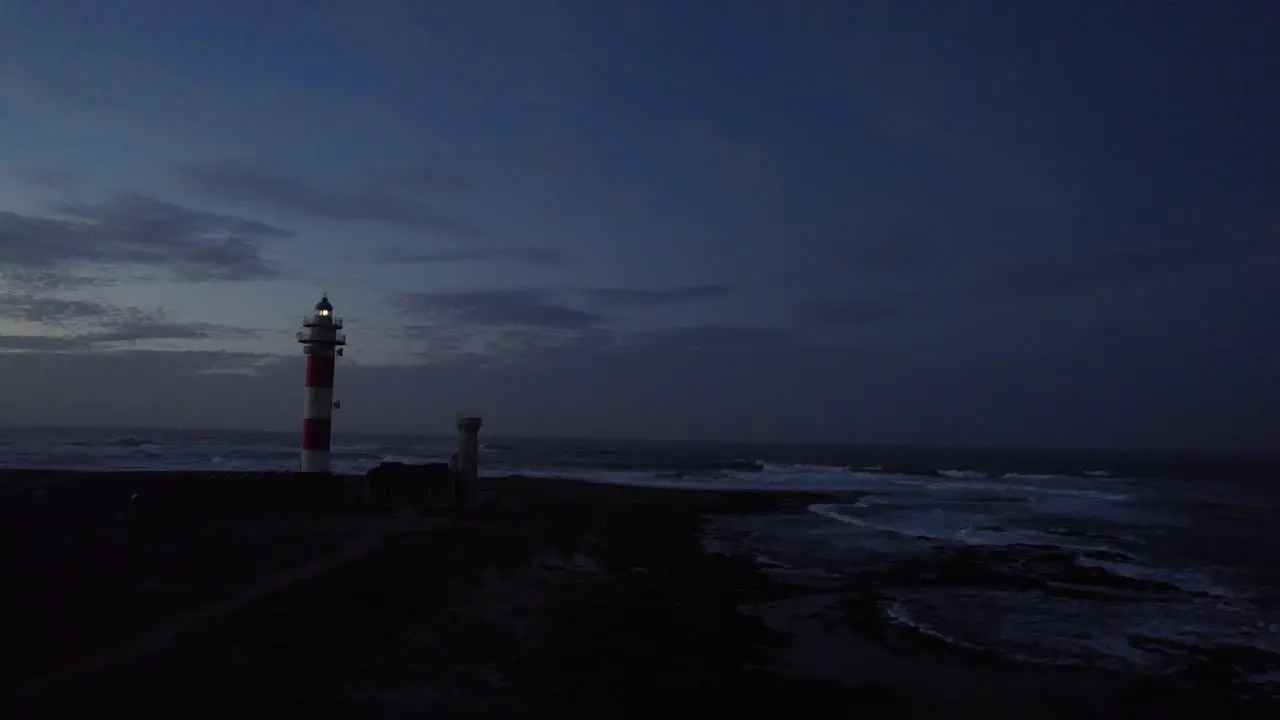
(205,596)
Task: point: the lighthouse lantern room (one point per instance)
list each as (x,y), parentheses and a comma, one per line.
(322,340)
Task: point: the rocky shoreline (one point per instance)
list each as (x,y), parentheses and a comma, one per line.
(549,597)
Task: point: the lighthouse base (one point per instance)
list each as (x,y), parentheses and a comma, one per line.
(315,461)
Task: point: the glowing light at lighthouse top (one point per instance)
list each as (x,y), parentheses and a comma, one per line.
(322,327)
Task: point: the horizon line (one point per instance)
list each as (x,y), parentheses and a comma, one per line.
(1219,453)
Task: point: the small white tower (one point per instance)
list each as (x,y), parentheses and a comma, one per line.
(322,340)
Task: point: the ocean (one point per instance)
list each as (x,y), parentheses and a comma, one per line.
(1134,561)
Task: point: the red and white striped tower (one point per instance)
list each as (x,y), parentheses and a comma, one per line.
(322,341)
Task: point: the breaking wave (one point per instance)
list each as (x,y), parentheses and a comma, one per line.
(130,441)
(961,473)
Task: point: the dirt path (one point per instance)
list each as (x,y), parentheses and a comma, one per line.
(160,638)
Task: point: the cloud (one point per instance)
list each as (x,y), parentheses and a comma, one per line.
(143,326)
(47,178)
(46,280)
(545,309)
(374,199)
(44,343)
(42,309)
(506,327)
(641,299)
(136,387)
(511,326)
(526,255)
(242,364)
(107,326)
(490,346)
(113,337)
(498,308)
(135,230)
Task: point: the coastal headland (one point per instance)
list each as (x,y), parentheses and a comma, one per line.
(205,595)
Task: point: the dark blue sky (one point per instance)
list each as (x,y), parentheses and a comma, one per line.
(1051,223)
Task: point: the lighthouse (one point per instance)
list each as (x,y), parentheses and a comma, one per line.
(322,340)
